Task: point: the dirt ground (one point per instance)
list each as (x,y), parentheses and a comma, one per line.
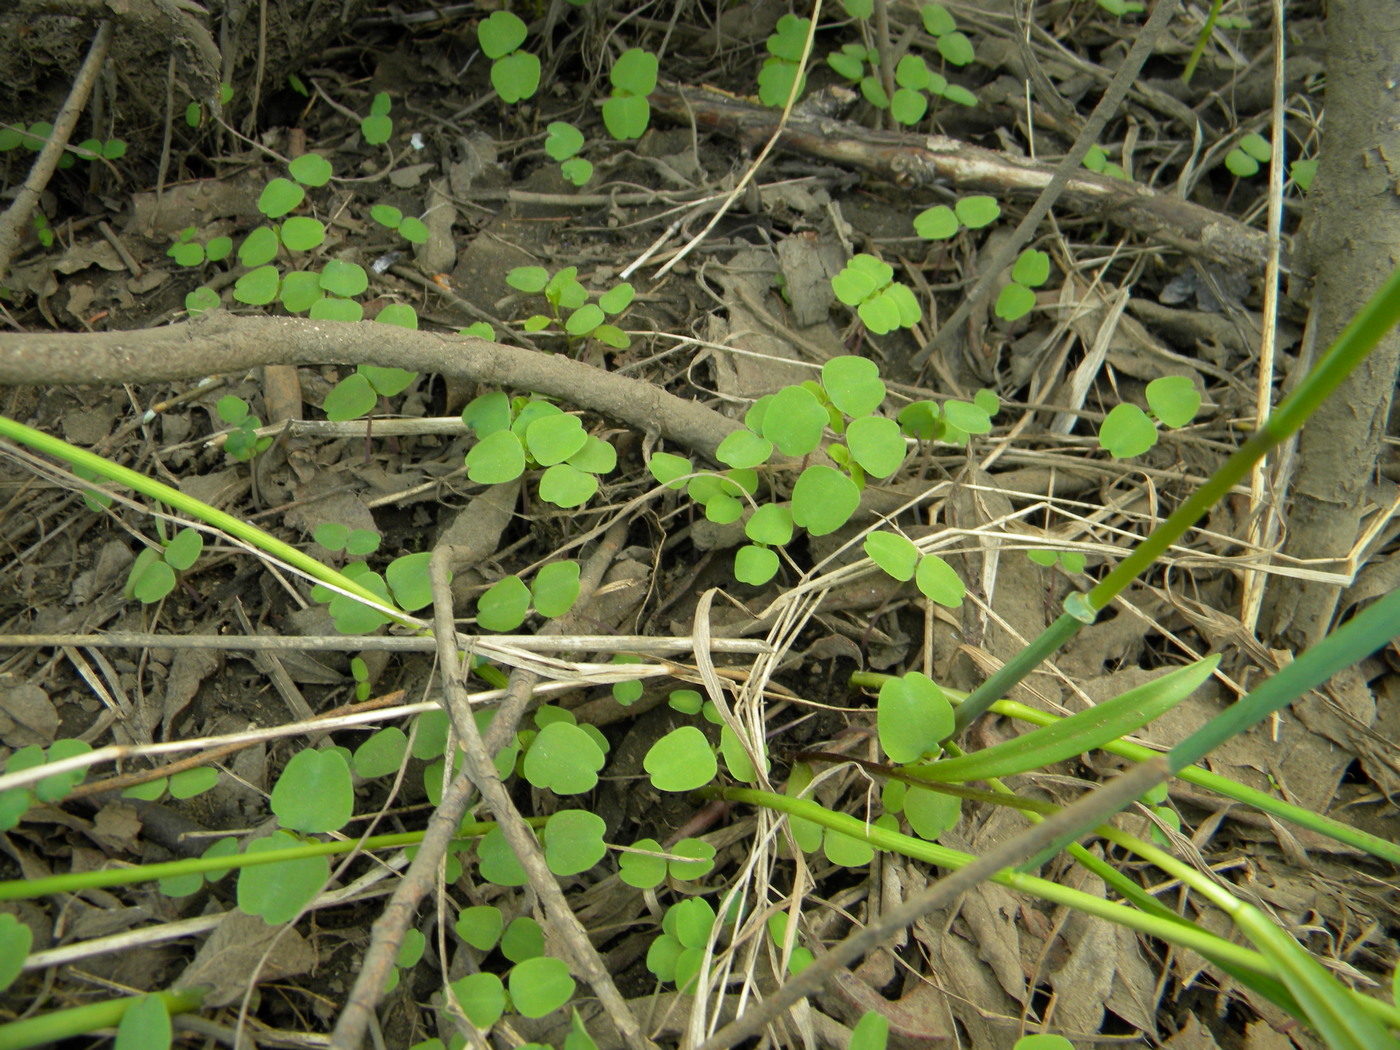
(1166,272)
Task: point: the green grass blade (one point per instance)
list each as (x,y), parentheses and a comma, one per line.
(1077,734)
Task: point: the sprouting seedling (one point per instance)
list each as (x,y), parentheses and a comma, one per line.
(526,433)
(953,45)
(504,605)
(377,128)
(243,443)
(515,74)
(785,47)
(867,284)
(1071,561)
(404,585)
(679,952)
(953,421)
(1244,160)
(563,143)
(358,393)
(569,306)
(941,222)
(1303,172)
(336,538)
(194,112)
(1097,160)
(359,671)
(186,251)
(412,229)
(152,574)
(1129,431)
(1120,8)
(42,230)
(1031,270)
(627,113)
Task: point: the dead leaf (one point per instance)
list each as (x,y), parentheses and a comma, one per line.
(233,955)
(27,716)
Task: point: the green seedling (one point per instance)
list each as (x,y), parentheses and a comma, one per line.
(1070,561)
(1303,172)
(647,865)
(530,433)
(569,308)
(411,229)
(1096,160)
(1244,160)
(42,230)
(186,251)
(563,143)
(941,222)
(867,285)
(507,603)
(627,113)
(33,138)
(194,112)
(1031,270)
(678,953)
(953,45)
(153,573)
(1129,431)
(1120,8)
(358,393)
(243,443)
(357,543)
(785,46)
(515,74)
(377,128)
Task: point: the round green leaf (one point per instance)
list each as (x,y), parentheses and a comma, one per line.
(912,716)
(189,783)
(639,870)
(635,71)
(563,140)
(876,444)
(686,701)
(540,986)
(938,582)
(555,438)
(345,279)
(407,577)
(279,197)
(184,549)
(1127,431)
(415,231)
(977,211)
(201,299)
(145,1025)
(482,998)
(573,841)
(771,524)
(930,813)
(187,254)
(515,76)
(912,72)
(386,215)
(744,448)
(311,169)
(401,315)
(723,509)
(301,233)
(577,170)
(1032,268)
(504,605)
(736,757)
(823,499)
(154,580)
(566,486)
(853,286)
(387,381)
(300,291)
(937,223)
(1043,1041)
(1257,146)
(896,554)
(668,469)
(381,754)
(691,921)
(1014,302)
(880,314)
(555,588)
(847,850)
(500,34)
(626,116)
(497,862)
(480,926)
(617,299)
(908,106)
(333,309)
(488,413)
(257,287)
(967,417)
(523,939)
(277,892)
(937,20)
(584,320)
(1174,400)
(15,941)
(853,384)
(871,1032)
(681,761)
(496,458)
(755,565)
(596,457)
(528,279)
(959,94)
(704,859)
(663,957)
(564,759)
(314,793)
(956,48)
(794,421)
(351,398)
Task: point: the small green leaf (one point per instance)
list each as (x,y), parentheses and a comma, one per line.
(386,215)
(847,850)
(896,554)
(853,384)
(554,438)
(407,577)
(314,793)
(497,862)
(567,486)
(937,223)
(311,169)
(500,34)
(573,841)
(333,309)
(1258,147)
(301,233)
(938,582)
(504,605)
(523,939)
(977,211)
(540,986)
(967,417)
(959,94)
(1241,164)
(937,20)
(1014,302)
(497,458)
(1127,431)
(823,499)
(755,565)
(516,76)
(876,444)
(626,116)
(1043,1041)
(184,549)
(191,782)
(344,279)
(577,170)
(150,579)
(912,716)
(771,524)
(555,588)
(617,299)
(638,869)
(564,759)
(351,398)
(871,1032)
(1173,400)
(382,754)
(257,287)
(145,1025)
(912,72)
(16,938)
(279,197)
(681,761)
(956,48)
(596,457)
(1303,173)
(528,279)
(480,926)
(482,998)
(277,892)
(563,141)
(930,813)
(258,247)
(300,291)
(794,421)
(908,106)
(1032,268)
(200,300)
(635,72)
